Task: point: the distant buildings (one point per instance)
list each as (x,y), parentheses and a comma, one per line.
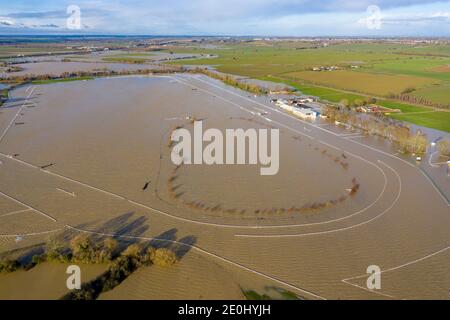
(333,68)
(325,68)
(373,108)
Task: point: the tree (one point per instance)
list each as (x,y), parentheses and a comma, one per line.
(444,148)
(110,246)
(344,103)
(83,249)
(54,249)
(133,251)
(164,257)
(9,265)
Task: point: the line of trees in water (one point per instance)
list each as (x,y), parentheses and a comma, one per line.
(3,96)
(392,130)
(82,249)
(444,148)
(104,72)
(120,265)
(174,186)
(407,97)
(232,81)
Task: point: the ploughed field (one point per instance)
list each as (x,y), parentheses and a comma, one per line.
(95,155)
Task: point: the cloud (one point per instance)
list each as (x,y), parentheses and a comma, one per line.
(38,15)
(233,9)
(8,22)
(5,21)
(195,10)
(409,19)
(51,25)
(434,17)
(225,16)
(55,14)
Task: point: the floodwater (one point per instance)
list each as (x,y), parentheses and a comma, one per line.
(46,281)
(101,141)
(57,68)
(149,56)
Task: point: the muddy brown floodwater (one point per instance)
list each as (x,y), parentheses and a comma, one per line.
(101,141)
(58,68)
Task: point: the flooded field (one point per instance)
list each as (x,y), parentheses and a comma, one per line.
(33,284)
(77,155)
(57,68)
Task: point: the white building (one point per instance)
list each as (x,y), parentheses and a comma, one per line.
(306,113)
(306,100)
(283,104)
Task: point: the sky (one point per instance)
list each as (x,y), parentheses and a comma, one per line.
(228,17)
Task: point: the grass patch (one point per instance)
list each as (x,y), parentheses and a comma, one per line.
(125,60)
(61,80)
(439,120)
(403,107)
(420,67)
(3,96)
(437,94)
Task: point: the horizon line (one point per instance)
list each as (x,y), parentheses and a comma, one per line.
(218,36)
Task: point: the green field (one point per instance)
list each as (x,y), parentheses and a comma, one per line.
(438,119)
(403,107)
(420,67)
(440,94)
(365,82)
(61,80)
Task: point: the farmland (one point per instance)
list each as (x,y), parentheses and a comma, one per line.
(418,74)
(439,94)
(369,83)
(433,119)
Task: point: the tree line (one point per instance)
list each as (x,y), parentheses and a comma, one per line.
(95,73)
(392,130)
(83,249)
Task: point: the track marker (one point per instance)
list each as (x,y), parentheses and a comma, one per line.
(66,192)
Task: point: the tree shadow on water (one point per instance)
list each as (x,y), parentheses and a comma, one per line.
(169,240)
(184,246)
(124,228)
(127,231)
